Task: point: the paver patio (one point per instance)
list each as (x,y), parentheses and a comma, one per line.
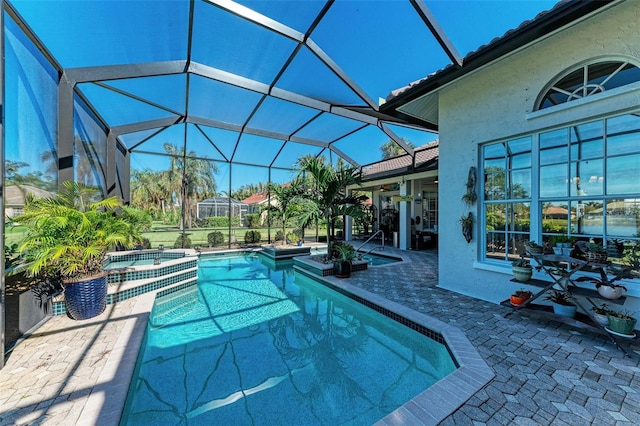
(77,372)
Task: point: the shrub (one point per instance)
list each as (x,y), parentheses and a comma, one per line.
(222,221)
(252,220)
(215,238)
(146,244)
(252,237)
(292,237)
(279,236)
(182,241)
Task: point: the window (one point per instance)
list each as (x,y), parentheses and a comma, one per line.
(507,197)
(588,80)
(587,185)
(430,210)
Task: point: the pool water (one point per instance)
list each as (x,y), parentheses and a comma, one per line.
(376,260)
(120,264)
(250,345)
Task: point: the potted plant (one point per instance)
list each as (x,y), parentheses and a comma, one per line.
(562,303)
(467,226)
(519,297)
(600,314)
(67,237)
(343,254)
(534,248)
(621,322)
(596,253)
(606,286)
(521,268)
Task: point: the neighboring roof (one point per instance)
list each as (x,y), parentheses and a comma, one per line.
(555,210)
(564,13)
(14,195)
(426,158)
(220,200)
(257,198)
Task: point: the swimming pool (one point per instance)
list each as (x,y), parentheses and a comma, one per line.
(378,259)
(252,345)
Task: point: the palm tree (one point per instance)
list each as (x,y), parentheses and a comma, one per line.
(191,179)
(327,190)
(287,197)
(391,149)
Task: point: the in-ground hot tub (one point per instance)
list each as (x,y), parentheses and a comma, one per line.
(131,273)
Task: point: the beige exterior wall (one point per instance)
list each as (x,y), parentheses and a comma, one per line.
(496,103)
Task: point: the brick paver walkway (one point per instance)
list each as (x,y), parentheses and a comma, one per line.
(547,372)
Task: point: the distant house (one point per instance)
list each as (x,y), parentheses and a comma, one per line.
(14,196)
(256,202)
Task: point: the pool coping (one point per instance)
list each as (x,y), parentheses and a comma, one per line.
(440,400)
(427,408)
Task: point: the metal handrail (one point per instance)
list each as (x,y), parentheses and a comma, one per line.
(379,231)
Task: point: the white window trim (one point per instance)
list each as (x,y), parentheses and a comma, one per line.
(628,89)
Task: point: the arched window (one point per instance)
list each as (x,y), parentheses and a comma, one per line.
(589,80)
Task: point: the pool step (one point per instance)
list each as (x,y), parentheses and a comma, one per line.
(173,305)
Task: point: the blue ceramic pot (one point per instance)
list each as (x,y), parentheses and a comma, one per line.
(86,298)
(565,310)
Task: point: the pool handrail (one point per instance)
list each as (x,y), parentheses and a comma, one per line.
(379,231)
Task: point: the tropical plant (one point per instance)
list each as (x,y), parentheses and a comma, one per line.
(601,310)
(604,280)
(286,197)
(522,293)
(392,149)
(522,262)
(343,252)
(326,191)
(560,297)
(467,226)
(68,235)
(625,315)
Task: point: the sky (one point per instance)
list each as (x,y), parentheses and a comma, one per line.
(380,44)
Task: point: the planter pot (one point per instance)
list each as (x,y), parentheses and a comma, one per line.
(565,310)
(342,269)
(86,298)
(522,273)
(535,250)
(609,292)
(601,319)
(557,250)
(596,257)
(621,325)
(517,301)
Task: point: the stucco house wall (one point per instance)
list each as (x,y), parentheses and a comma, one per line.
(496,103)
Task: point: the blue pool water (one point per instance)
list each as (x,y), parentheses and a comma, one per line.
(254,345)
(375,260)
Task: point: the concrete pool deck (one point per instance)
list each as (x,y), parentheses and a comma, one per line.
(76,372)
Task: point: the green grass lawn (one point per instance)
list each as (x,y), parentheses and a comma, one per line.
(166,234)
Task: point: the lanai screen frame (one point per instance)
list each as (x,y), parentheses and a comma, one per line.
(70,78)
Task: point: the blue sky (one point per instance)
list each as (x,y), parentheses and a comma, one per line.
(379,44)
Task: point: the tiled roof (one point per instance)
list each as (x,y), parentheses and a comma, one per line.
(257,198)
(425,155)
